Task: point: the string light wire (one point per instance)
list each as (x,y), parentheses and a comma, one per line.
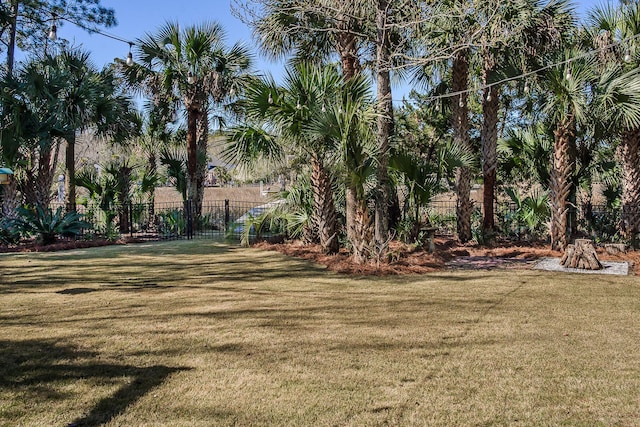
(626,40)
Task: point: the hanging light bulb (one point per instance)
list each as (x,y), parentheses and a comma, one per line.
(526,87)
(461,103)
(489,97)
(130,56)
(324,108)
(568,75)
(53,33)
(627,56)
(437,106)
(298,105)
(191,79)
(270,99)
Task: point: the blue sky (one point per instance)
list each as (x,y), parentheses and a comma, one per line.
(137,17)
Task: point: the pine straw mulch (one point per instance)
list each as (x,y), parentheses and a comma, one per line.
(400,259)
(449,254)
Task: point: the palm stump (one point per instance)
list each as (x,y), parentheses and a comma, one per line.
(582,255)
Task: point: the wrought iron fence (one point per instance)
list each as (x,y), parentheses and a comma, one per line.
(218,219)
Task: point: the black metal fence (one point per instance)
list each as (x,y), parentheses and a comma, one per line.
(163,221)
(219,219)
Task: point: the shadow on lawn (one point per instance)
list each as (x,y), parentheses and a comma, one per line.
(40,370)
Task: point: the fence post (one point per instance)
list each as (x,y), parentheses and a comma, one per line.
(226,213)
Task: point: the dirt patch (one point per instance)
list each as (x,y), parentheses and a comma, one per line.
(449,254)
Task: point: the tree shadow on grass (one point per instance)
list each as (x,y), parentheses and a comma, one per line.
(39,370)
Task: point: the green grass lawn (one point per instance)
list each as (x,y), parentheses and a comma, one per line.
(201,334)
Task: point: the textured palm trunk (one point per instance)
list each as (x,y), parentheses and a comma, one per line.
(70,165)
(192,153)
(361,226)
(10,198)
(324,211)
(460,126)
(489,137)
(201,161)
(347,50)
(629,154)
(560,182)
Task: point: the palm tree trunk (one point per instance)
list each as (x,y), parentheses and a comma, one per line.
(461,136)
(385,127)
(629,154)
(348,54)
(489,137)
(346,47)
(202,160)
(560,182)
(70,165)
(192,153)
(361,233)
(324,211)
(10,198)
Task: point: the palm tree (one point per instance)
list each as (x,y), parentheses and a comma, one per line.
(287,111)
(349,125)
(566,108)
(515,32)
(194,67)
(90,99)
(618,99)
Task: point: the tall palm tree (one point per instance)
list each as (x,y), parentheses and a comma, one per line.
(349,124)
(193,67)
(514,32)
(566,108)
(91,99)
(617,29)
(287,112)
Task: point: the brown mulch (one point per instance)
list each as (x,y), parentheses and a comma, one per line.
(449,254)
(401,259)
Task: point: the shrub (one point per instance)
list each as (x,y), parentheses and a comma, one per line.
(48,225)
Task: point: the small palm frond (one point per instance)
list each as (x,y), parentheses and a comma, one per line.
(247,144)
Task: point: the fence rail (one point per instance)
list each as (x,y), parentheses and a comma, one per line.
(218,219)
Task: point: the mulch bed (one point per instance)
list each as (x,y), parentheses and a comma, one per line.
(449,254)
(401,259)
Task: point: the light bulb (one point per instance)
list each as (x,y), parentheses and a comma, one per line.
(627,57)
(129,59)
(191,78)
(298,105)
(526,88)
(461,103)
(568,76)
(53,33)
(489,98)
(437,107)
(270,99)
(324,108)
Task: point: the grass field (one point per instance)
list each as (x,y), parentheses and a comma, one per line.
(201,334)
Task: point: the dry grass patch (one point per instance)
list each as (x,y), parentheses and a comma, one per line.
(198,333)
